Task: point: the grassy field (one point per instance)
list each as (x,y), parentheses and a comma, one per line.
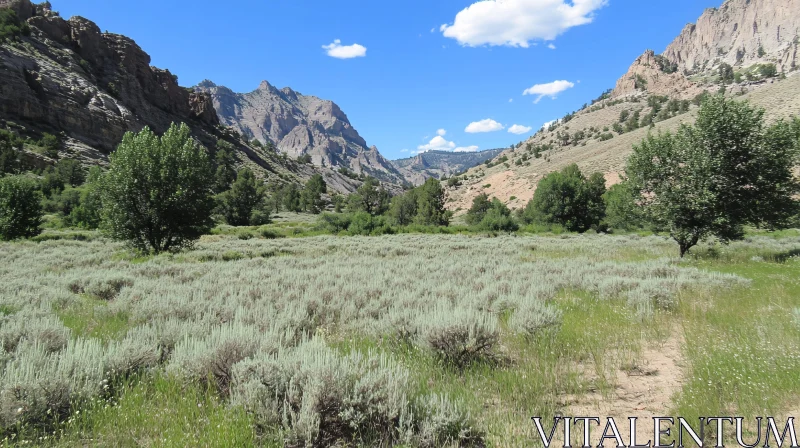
(403,340)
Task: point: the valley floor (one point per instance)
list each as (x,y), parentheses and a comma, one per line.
(104,348)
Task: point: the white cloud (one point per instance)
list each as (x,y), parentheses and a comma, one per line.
(547,125)
(339,51)
(441,132)
(517,23)
(551,46)
(487,125)
(551,89)
(403,150)
(519,129)
(511,100)
(438,143)
(466,149)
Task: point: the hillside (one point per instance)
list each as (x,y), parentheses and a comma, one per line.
(657,93)
(298,125)
(440,164)
(67,78)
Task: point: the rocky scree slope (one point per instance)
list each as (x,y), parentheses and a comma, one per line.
(89,88)
(299,125)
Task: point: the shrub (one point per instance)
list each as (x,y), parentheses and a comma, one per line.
(768,71)
(335,222)
(20,208)
(10,151)
(461,336)
(71,172)
(10,25)
(88,213)
(533,317)
(156,195)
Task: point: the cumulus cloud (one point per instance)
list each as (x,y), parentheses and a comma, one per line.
(487,125)
(551,89)
(551,46)
(466,149)
(438,143)
(441,132)
(547,125)
(339,51)
(519,129)
(517,23)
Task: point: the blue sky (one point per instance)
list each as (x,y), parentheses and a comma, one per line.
(412,79)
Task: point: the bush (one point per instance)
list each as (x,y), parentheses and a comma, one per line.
(156,194)
(534,317)
(20,208)
(335,223)
(50,145)
(87,214)
(363,223)
(10,25)
(569,199)
(460,336)
(71,172)
(768,71)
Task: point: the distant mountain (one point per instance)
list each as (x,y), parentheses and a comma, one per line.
(440,164)
(299,125)
(89,88)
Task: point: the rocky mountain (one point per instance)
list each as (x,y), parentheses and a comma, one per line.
(740,33)
(67,78)
(439,164)
(657,93)
(299,125)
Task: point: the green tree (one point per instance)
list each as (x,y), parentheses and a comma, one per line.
(245,198)
(569,199)
(311,196)
(156,194)
(430,204)
(50,145)
(480,206)
(10,152)
(498,218)
(370,197)
(88,214)
(225,171)
(726,73)
(20,208)
(338,202)
(71,172)
(768,70)
(290,198)
(10,25)
(403,209)
(622,212)
(51,183)
(711,179)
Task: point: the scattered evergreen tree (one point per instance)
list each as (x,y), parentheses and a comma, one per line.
(569,199)
(10,152)
(20,208)
(370,197)
(711,179)
(480,206)
(51,183)
(403,209)
(430,204)
(726,73)
(290,198)
(71,172)
(311,197)
(156,194)
(225,173)
(50,145)
(245,203)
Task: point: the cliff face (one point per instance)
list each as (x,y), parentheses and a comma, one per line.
(439,164)
(297,125)
(740,33)
(69,77)
(646,75)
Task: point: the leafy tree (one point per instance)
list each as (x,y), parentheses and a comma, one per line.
(156,194)
(225,173)
(88,214)
(50,145)
(245,198)
(52,182)
(726,73)
(480,206)
(370,197)
(10,151)
(711,179)
(71,172)
(768,70)
(290,198)
(311,197)
(430,204)
(498,218)
(569,199)
(338,202)
(622,212)
(20,208)
(403,209)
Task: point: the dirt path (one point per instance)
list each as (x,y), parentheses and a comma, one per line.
(646,391)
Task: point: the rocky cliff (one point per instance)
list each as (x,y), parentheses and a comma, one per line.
(68,78)
(649,74)
(740,33)
(299,125)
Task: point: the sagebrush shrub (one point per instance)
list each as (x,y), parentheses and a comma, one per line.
(460,336)
(534,317)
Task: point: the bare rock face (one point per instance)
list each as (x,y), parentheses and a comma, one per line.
(70,78)
(740,33)
(297,125)
(646,75)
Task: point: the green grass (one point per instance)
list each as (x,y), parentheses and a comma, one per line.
(89,317)
(159,411)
